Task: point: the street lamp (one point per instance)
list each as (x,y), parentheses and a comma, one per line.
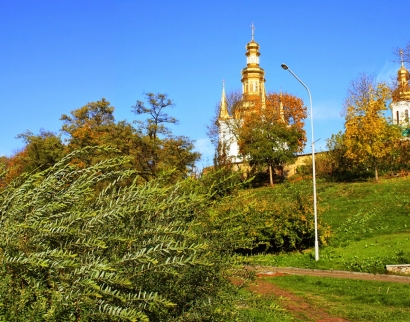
(285,67)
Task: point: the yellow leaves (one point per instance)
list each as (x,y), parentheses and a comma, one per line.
(367,133)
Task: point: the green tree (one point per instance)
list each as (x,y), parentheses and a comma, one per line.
(94,125)
(265,139)
(42,151)
(368,136)
(159,150)
(88,124)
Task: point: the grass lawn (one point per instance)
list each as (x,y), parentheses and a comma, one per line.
(370,224)
(352,299)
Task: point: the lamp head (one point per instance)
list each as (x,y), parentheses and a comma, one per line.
(285,67)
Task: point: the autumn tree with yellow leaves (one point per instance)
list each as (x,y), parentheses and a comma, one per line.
(368,135)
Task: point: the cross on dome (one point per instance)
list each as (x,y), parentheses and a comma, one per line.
(401,57)
(253,30)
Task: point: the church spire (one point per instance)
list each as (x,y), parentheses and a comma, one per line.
(223,110)
(253,76)
(282,114)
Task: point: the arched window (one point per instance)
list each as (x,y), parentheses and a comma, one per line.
(397,117)
(406,116)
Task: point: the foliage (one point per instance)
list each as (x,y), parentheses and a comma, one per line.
(248,114)
(399,160)
(281,219)
(368,137)
(369,224)
(88,124)
(332,165)
(127,253)
(265,138)
(291,110)
(223,181)
(342,168)
(152,147)
(158,149)
(154,126)
(41,152)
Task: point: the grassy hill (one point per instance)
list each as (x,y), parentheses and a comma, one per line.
(370,225)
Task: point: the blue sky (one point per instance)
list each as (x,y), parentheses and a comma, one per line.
(58,55)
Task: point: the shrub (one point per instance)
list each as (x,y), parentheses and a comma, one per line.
(283,221)
(91,244)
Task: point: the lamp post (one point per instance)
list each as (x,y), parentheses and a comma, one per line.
(285,67)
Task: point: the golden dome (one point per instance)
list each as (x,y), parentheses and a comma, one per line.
(402,91)
(252,44)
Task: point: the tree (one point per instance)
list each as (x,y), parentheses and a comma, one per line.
(158,149)
(155,125)
(94,125)
(42,150)
(88,124)
(13,166)
(368,136)
(265,137)
(291,110)
(341,167)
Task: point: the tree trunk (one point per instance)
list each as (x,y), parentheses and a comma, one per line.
(270,176)
(376,173)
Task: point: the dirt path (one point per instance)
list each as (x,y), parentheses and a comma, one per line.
(297,306)
(269,271)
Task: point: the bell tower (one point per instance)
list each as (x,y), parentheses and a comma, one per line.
(253,76)
(253,96)
(228,143)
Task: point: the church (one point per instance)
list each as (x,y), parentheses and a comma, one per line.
(253,90)
(400,105)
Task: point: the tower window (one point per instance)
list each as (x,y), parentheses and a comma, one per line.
(397,117)
(252,60)
(406,116)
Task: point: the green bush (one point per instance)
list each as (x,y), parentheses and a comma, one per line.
(281,220)
(91,244)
